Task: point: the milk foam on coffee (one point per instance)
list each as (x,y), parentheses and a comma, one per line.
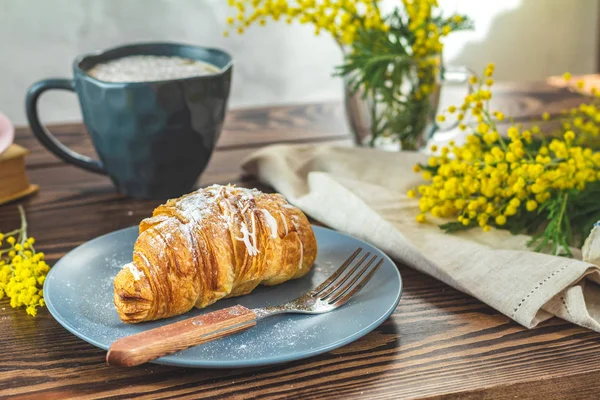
(145,68)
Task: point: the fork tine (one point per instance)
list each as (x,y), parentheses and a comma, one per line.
(337,273)
(342,279)
(352,288)
(341,287)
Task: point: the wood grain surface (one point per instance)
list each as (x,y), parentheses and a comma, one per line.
(438,343)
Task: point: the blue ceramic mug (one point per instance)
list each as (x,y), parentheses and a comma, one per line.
(153,138)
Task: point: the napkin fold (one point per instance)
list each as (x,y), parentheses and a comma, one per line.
(362,192)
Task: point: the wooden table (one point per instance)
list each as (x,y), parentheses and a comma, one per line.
(439,343)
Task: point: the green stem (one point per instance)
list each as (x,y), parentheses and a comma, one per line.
(374,121)
(563,210)
(23,234)
(12,232)
(562,222)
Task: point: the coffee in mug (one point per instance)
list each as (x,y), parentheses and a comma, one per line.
(147,68)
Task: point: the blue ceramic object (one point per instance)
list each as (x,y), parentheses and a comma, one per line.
(79,294)
(153,139)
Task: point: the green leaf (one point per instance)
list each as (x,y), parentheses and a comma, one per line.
(455,226)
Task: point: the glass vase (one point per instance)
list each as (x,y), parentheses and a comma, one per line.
(406,118)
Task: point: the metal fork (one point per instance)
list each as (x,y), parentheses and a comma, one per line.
(333,293)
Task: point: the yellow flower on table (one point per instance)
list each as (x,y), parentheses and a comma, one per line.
(22,270)
(526,176)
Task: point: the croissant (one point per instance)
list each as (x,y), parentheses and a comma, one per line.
(217,242)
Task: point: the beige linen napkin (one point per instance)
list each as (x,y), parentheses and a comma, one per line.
(362,192)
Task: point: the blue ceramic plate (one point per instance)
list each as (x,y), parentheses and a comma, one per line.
(79,294)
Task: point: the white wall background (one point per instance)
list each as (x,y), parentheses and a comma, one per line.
(527,39)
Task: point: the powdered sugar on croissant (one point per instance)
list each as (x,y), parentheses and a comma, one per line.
(217,242)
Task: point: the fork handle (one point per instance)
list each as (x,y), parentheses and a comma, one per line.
(154,343)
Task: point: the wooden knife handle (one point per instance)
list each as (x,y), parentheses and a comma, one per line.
(154,343)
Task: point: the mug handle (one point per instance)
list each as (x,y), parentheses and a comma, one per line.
(45,137)
(454,75)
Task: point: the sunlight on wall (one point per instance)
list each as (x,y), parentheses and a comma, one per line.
(483,15)
(527,39)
